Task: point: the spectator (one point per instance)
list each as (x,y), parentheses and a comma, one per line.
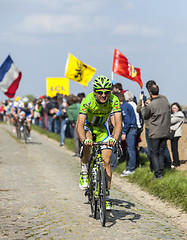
(64,120)
(42,113)
(56,118)
(129,97)
(73,112)
(114,157)
(44,102)
(81,96)
(117,87)
(37,112)
(2,111)
(157,110)
(129,133)
(51,111)
(177,119)
(167,158)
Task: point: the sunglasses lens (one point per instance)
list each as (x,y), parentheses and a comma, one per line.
(103,92)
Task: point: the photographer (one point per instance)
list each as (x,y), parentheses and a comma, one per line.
(143,99)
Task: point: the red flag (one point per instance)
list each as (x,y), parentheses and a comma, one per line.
(122,67)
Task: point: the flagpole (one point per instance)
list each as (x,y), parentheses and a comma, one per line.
(66,64)
(112,77)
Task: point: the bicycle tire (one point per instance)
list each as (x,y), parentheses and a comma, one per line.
(102,194)
(91,190)
(18,132)
(93,201)
(25,133)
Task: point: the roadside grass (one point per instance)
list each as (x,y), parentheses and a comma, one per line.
(171,188)
(69,143)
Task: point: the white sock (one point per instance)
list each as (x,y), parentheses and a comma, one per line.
(84,167)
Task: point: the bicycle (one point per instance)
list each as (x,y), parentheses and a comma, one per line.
(97,184)
(22,129)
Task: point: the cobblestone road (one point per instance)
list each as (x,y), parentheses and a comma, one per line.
(40,198)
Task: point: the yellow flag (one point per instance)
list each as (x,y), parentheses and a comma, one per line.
(78,71)
(57,85)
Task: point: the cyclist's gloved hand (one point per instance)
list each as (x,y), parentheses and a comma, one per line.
(88,142)
(111,142)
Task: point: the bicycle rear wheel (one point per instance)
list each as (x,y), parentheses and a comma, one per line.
(102,194)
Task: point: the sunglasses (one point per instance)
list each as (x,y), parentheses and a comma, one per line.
(103,92)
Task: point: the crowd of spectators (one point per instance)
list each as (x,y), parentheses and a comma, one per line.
(59,115)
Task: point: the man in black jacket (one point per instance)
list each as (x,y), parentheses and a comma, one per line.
(51,110)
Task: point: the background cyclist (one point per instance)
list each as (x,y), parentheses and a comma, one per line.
(93,118)
(25,110)
(14,114)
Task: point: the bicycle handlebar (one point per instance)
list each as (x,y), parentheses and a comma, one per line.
(102,143)
(99,143)
(117,145)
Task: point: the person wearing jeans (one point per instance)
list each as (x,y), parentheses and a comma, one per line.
(157,110)
(73,112)
(131,148)
(175,153)
(51,111)
(177,120)
(157,147)
(167,158)
(129,133)
(62,114)
(63,130)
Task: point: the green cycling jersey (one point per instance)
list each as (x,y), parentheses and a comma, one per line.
(97,114)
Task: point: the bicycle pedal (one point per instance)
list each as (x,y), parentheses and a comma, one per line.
(86,193)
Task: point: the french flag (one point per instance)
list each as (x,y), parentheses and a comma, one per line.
(10,77)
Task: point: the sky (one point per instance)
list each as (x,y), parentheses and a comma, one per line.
(39,34)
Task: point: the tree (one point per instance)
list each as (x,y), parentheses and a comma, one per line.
(30,97)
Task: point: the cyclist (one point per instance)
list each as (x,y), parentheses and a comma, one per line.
(25,110)
(93,118)
(14,113)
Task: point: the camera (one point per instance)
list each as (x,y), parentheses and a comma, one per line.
(144,97)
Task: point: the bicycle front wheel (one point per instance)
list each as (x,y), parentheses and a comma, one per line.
(18,131)
(102,194)
(91,190)
(26,134)
(93,200)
